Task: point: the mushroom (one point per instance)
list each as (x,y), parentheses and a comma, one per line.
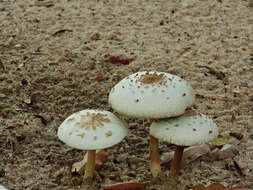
(2,187)
(92,130)
(152,95)
(187,130)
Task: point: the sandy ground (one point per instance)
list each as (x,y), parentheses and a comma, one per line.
(54,62)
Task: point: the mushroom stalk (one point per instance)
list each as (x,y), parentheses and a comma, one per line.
(90,165)
(154,157)
(175,167)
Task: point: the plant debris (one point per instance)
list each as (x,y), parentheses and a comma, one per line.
(117,59)
(44,3)
(227,151)
(241,171)
(99,76)
(219,74)
(190,154)
(125,186)
(101,157)
(217,186)
(238,136)
(57,31)
(1,65)
(219,141)
(2,107)
(44,119)
(30,100)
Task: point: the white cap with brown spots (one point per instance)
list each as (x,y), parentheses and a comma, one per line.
(186,130)
(2,187)
(151,95)
(92,130)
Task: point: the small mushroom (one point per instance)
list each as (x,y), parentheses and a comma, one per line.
(152,95)
(186,130)
(92,130)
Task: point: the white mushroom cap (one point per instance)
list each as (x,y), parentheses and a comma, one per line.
(185,130)
(151,95)
(2,187)
(92,130)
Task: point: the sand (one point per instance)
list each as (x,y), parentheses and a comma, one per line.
(55,61)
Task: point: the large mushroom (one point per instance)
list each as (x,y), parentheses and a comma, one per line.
(92,130)
(152,95)
(187,130)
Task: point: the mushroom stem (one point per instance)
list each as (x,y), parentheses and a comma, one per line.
(90,165)
(175,167)
(154,157)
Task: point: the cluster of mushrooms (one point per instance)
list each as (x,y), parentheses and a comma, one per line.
(162,98)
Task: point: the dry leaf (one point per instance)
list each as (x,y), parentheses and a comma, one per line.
(219,74)
(99,76)
(1,65)
(227,151)
(239,136)
(95,36)
(101,156)
(56,31)
(241,171)
(190,154)
(199,187)
(117,59)
(2,107)
(44,3)
(216,186)
(239,188)
(245,171)
(13,125)
(152,187)
(233,117)
(193,153)
(118,33)
(30,100)
(125,186)
(219,141)
(45,119)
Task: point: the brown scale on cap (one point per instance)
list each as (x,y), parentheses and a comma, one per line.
(190,112)
(93,121)
(81,135)
(152,78)
(70,119)
(108,134)
(154,89)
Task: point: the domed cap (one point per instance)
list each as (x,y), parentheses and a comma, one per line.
(92,130)
(186,130)
(151,95)
(2,187)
